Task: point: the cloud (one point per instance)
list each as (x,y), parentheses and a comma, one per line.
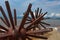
(46,5)
(53,15)
(55,0)
(50,15)
(5,0)
(27,2)
(52,3)
(57,15)
(46,15)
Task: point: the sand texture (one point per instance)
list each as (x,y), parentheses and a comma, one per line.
(54,35)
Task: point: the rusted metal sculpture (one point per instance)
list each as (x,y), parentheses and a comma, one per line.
(34,16)
(12,32)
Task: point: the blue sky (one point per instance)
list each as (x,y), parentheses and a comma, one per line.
(51,6)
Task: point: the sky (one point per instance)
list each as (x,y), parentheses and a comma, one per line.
(51,6)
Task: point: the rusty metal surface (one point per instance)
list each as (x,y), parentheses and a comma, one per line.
(12,32)
(36,15)
(4,15)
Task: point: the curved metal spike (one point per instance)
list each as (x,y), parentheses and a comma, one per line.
(5,17)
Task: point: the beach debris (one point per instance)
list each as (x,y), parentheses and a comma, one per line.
(14,32)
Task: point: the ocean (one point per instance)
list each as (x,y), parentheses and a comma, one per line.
(52,22)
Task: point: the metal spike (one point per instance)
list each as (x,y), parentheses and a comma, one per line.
(21,33)
(5,36)
(27,22)
(37,12)
(38,19)
(3,21)
(45,23)
(32,15)
(29,18)
(5,17)
(40,11)
(9,13)
(42,37)
(25,16)
(33,27)
(40,31)
(43,26)
(2,27)
(1,31)
(15,18)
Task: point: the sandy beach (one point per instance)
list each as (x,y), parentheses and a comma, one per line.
(54,35)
